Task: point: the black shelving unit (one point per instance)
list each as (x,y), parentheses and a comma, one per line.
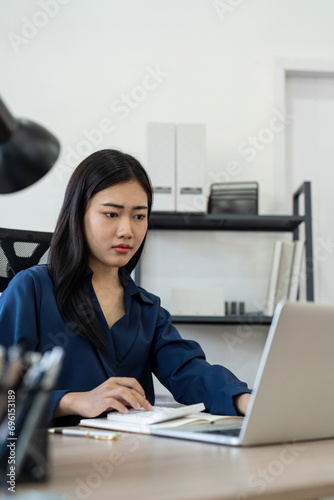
(177,221)
(215,222)
(255,318)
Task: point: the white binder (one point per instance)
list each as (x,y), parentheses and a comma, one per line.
(161,164)
(190,168)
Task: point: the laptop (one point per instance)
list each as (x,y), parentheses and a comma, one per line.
(293,395)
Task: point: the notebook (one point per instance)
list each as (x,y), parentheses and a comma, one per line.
(293,395)
(146,422)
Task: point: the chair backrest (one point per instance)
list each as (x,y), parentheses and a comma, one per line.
(20,249)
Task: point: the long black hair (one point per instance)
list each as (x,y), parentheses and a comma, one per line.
(68,254)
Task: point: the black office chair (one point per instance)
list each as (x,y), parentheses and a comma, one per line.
(20,249)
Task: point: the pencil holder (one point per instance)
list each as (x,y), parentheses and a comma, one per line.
(24,402)
(35,466)
(32,442)
(24,439)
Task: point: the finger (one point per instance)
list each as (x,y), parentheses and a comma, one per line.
(126,396)
(147,405)
(144,403)
(129,382)
(130,397)
(116,404)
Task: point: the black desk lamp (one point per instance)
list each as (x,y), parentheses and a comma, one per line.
(27,152)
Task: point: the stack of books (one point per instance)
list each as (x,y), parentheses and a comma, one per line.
(285,274)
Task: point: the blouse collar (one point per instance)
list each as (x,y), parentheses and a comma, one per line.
(130,287)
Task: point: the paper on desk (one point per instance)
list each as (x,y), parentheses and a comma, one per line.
(205,418)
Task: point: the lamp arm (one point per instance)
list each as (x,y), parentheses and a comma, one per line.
(7,122)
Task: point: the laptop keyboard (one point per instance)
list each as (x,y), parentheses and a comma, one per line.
(225,432)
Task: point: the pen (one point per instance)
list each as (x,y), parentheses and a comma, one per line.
(12,373)
(2,360)
(86,433)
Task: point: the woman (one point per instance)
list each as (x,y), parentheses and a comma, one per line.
(114,333)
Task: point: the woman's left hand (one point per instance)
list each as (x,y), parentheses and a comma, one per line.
(241,402)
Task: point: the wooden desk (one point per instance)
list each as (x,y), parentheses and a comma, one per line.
(155,468)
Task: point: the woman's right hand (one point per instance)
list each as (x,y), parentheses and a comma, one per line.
(114,394)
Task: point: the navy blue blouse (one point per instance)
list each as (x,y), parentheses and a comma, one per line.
(142,342)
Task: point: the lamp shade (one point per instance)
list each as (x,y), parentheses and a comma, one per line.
(27,152)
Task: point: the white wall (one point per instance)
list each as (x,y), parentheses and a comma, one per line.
(201,61)
(309,142)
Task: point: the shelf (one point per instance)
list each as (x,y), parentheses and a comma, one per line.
(227,222)
(255,318)
(186,221)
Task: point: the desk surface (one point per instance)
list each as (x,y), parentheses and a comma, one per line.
(154,468)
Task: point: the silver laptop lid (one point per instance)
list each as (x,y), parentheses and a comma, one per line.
(293,396)
(293,390)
